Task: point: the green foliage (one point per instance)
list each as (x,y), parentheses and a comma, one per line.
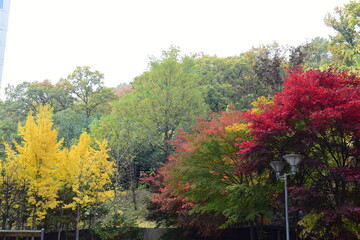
(126,205)
(168,95)
(247,202)
(309,222)
(221,80)
(240,80)
(164,99)
(204,176)
(117,227)
(352,227)
(83,92)
(11,114)
(314,54)
(70,124)
(35,94)
(345,44)
(88,90)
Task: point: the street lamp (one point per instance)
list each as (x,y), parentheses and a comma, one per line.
(293,160)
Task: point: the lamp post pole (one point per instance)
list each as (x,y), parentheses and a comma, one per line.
(293,160)
(286,209)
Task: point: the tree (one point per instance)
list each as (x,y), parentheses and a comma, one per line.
(88,173)
(38,158)
(126,141)
(163,99)
(223,81)
(316,54)
(268,63)
(169,96)
(71,124)
(268,68)
(88,89)
(317,115)
(205,158)
(12,191)
(35,94)
(240,80)
(345,44)
(27,97)
(199,181)
(11,114)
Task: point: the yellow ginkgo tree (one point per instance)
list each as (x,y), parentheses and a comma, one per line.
(12,190)
(39,157)
(87,172)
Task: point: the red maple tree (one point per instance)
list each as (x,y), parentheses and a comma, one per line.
(317,115)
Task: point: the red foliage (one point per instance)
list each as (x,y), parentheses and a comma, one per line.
(317,115)
(169,204)
(312,105)
(168,208)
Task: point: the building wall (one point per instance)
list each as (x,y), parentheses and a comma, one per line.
(4,17)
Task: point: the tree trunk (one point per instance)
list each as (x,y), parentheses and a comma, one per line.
(4,218)
(133,185)
(77,222)
(60,224)
(259,227)
(252,231)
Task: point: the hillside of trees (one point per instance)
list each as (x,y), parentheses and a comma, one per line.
(192,137)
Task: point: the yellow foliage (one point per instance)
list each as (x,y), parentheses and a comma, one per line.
(87,171)
(237,127)
(38,160)
(40,167)
(351,226)
(260,103)
(70,205)
(308,222)
(10,181)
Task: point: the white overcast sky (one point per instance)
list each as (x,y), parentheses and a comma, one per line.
(47,39)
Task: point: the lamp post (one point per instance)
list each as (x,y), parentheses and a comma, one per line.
(293,160)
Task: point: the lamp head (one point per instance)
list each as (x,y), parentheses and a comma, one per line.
(278,167)
(293,160)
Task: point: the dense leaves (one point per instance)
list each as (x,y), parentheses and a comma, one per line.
(39,178)
(87,89)
(345,44)
(317,115)
(200,182)
(215,171)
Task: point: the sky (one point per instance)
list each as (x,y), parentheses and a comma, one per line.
(48,39)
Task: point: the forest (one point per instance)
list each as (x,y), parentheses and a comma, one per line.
(188,143)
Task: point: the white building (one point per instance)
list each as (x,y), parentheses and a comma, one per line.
(4,17)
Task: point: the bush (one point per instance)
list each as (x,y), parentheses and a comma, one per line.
(117,227)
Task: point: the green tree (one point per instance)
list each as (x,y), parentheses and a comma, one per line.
(240,80)
(224,81)
(345,44)
(168,96)
(126,141)
(163,99)
(317,54)
(267,64)
(70,124)
(32,95)
(27,97)
(88,89)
